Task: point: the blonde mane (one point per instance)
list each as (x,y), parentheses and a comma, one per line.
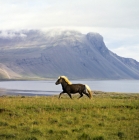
(66,79)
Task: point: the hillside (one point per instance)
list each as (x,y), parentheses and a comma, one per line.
(39,54)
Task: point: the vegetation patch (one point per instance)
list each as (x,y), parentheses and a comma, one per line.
(106,116)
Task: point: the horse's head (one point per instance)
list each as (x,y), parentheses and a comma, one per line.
(62,79)
(59,81)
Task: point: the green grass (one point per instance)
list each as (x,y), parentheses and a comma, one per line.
(107,116)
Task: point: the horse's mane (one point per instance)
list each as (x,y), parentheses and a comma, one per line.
(66,79)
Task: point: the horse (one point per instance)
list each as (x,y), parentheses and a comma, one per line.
(70,88)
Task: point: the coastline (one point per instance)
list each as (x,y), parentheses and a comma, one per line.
(8,92)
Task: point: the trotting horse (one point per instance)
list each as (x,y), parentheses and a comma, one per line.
(70,88)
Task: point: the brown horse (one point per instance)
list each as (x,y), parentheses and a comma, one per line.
(70,88)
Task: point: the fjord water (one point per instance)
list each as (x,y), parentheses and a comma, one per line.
(49,87)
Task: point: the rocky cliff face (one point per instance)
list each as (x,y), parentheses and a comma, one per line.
(50,54)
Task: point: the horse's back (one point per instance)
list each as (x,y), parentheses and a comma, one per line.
(74,88)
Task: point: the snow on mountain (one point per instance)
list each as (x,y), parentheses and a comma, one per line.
(49,54)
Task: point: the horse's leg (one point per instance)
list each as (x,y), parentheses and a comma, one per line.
(81,95)
(69,95)
(86,94)
(61,94)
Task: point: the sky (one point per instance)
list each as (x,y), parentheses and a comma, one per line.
(116,20)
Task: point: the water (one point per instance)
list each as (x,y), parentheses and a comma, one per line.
(49,87)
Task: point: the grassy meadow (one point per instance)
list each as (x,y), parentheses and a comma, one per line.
(107,116)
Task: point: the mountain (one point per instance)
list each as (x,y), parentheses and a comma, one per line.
(38,54)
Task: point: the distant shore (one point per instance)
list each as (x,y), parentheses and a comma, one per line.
(7,92)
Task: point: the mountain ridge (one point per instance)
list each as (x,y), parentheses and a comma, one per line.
(34,53)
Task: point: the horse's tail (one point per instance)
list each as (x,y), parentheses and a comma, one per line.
(89,91)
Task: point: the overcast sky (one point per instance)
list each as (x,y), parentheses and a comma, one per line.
(116,20)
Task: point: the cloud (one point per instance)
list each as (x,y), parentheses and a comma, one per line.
(42,14)
(12,34)
(128,51)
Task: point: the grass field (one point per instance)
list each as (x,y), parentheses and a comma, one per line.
(107,116)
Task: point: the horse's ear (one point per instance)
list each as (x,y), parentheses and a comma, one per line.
(59,77)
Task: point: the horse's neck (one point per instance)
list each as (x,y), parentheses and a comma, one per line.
(64,85)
